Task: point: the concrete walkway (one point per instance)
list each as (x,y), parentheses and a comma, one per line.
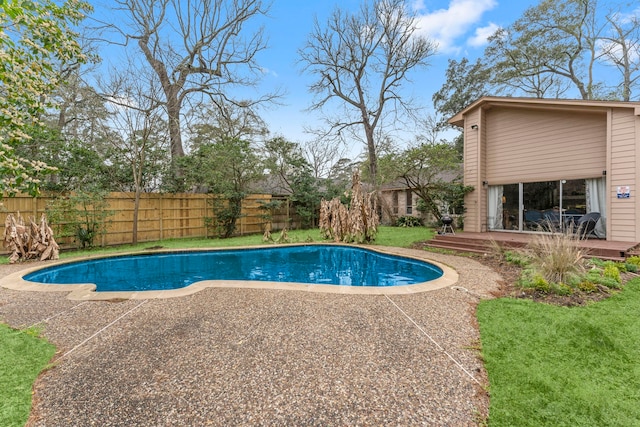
(228,356)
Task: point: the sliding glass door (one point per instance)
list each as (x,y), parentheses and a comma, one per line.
(543,206)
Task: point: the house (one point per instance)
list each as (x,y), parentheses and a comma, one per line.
(535,161)
(397,200)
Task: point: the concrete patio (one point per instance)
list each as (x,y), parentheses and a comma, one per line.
(229,356)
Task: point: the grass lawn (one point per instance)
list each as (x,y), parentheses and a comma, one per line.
(559,366)
(22,358)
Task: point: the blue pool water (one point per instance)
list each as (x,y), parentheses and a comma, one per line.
(316,264)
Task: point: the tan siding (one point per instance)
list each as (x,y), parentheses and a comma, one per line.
(483,208)
(623,212)
(532,145)
(472,172)
(623,152)
(622,179)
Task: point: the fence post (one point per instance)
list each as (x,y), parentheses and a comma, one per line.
(204,214)
(161,215)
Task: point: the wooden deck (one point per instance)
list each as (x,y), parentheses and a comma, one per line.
(481,243)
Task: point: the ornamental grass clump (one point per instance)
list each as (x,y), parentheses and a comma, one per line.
(556,256)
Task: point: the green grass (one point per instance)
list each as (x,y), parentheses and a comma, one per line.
(387,236)
(22,358)
(403,237)
(559,366)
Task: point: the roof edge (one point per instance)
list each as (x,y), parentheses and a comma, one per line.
(458,119)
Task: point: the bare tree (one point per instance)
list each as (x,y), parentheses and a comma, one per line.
(196,48)
(622,49)
(136,125)
(226,120)
(322,154)
(560,44)
(361,61)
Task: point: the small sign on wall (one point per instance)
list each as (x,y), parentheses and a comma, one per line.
(624,192)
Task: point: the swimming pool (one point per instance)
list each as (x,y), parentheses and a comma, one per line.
(308,264)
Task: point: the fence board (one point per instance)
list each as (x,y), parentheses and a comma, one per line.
(160,216)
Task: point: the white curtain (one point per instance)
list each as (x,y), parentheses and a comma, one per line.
(597,202)
(494,220)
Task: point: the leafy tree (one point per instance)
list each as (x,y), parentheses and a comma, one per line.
(465,83)
(226,167)
(434,173)
(34,36)
(555,45)
(81,112)
(361,61)
(340,177)
(76,165)
(285,160)
(81,215)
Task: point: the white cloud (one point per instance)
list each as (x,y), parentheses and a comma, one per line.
(482,34)
(417,5)
(445,26)
(626,18)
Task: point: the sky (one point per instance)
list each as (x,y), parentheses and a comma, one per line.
(459,28)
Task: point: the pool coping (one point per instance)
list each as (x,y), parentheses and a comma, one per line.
(86,292)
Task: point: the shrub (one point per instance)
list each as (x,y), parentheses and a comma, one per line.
(611,271)
(540,283)
(587,286)
(634,260)
(516,258)
(573,280)
(532,280)
(560,289)
(597,277)
(632,268)
(597,262)
(81,215)
(408,221)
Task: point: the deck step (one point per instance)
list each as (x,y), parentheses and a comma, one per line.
(455,248)
(460,243)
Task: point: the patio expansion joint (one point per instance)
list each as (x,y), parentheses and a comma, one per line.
(438,346)
(101,330)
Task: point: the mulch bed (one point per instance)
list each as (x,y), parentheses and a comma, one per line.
(510,274)
(508,288)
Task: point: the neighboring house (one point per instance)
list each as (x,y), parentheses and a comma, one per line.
(534,160)
(397,200)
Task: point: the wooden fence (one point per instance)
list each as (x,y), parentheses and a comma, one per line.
(160,216)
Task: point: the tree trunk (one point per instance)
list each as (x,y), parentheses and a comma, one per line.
(136,210)
(373,158)
(175,135)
